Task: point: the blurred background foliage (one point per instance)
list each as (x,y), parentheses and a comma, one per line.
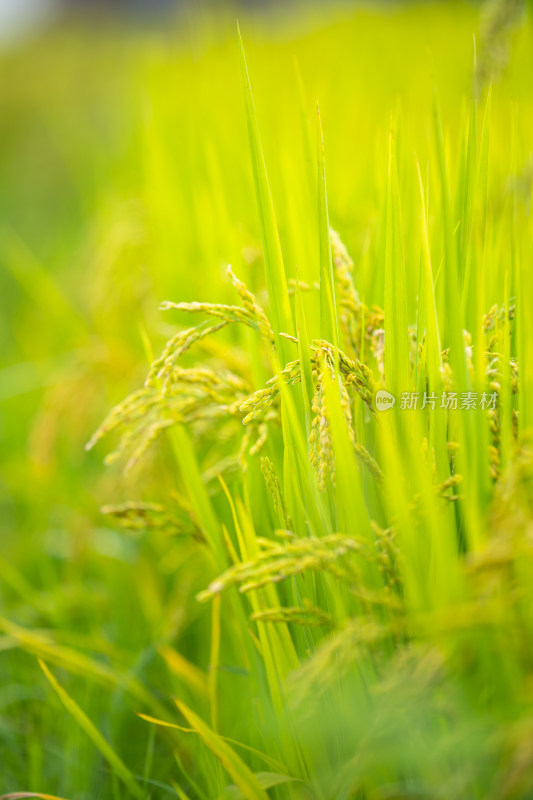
(125,180)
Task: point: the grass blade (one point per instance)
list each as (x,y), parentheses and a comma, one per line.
(396,342)
(114,761)
(274,268)
(328,311)
(232,763)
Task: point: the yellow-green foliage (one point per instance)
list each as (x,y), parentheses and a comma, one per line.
(275,589)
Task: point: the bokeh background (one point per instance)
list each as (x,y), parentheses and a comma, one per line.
(124,181)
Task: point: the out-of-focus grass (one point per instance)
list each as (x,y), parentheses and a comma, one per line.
(125,179)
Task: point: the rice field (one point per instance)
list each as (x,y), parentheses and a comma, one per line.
(266,406)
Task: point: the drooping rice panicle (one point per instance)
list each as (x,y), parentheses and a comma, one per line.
(253,308)
(272,482)
(309,615)
(332,553)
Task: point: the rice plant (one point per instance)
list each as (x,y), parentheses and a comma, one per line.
(330,474)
